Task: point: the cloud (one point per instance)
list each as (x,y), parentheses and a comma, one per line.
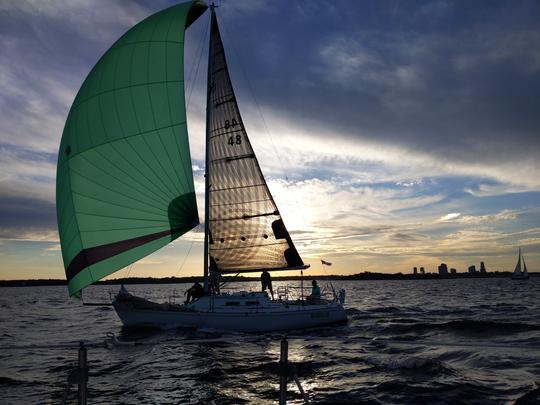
(399,86)
(450,217)
(27,219)
(306,147)
(456,217)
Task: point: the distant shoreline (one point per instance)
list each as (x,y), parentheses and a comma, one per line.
(182,280)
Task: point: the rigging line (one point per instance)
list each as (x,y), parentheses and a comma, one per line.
(265,126)
(129,270)
(197,228)
(202,46)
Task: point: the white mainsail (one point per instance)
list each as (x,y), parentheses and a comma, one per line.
(520,274)
(517,270)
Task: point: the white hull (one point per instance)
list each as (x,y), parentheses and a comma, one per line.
(217,312)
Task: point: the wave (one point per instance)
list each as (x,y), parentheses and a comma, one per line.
(8,381)
(530,398)
(410,363)
(468,326)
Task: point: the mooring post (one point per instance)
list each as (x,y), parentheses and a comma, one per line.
(284,363)
(83,374)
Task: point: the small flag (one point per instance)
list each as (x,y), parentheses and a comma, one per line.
(326,263)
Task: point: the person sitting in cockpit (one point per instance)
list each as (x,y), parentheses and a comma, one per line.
(195,292)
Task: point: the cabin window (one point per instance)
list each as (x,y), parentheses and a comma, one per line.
(232,303)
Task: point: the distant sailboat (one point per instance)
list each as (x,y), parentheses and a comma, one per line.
(520,274)
(125,185)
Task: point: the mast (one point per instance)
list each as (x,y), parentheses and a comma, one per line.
(207,157)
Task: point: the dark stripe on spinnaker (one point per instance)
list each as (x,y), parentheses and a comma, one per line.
(96,254)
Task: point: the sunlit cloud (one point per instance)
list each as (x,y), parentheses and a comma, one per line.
(450,217)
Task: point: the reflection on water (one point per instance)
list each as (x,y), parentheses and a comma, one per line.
(338,364)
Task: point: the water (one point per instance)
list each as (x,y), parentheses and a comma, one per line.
(336,365)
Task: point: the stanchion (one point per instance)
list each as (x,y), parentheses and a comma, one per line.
(284,365)
(287,370)
(82,374)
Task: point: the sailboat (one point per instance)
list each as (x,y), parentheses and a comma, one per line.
(520,274)
(125,185)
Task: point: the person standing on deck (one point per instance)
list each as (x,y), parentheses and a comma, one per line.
(266,282)
(214,282)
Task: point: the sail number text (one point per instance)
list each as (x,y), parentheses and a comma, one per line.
(231,123)
(233,140)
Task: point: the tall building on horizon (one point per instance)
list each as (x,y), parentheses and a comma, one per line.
(443,269)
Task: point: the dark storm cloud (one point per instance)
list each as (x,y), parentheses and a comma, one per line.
(403,237)
(17,152)
(20,217)
(458,79)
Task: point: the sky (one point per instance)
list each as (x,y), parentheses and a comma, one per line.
(392,134)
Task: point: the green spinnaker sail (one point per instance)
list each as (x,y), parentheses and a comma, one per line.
(124,184)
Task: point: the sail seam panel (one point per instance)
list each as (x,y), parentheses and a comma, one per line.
(240,130)
(115,89)
(144,192)
(133,228)
(120,122)
(249,246)
(124,138)
(245,217)
(160,209)
(182,95)
(160,163)
(232,158)
(253,270)
(168,192)
(240,202)
(151,197)
(235,188)
(106,188)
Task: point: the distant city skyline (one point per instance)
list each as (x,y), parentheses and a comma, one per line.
(395,134)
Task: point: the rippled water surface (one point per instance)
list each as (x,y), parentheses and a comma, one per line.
(465,341)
